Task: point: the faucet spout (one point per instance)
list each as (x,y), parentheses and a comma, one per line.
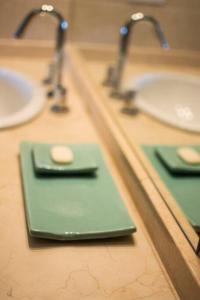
(55,75)
(115,74)
(45,9)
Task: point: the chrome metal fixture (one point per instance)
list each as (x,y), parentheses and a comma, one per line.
(115,74)
(56,67)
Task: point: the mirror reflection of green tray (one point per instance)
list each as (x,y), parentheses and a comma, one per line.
(73,207)
(185,188)
(170,158)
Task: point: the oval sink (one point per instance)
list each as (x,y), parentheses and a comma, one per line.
(171,98)
(20,99)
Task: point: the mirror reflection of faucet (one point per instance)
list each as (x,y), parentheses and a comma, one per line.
(129,107)
(55,69)
(115,73)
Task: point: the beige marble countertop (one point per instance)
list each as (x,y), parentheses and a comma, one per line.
(36,269)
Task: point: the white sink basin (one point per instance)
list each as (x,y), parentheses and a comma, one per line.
(20,99)
(171,98)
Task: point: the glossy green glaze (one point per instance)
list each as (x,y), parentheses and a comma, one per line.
(185,188)
(72,207)
(43,163)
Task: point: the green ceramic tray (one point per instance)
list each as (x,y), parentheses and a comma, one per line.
(73,207)
(185,188)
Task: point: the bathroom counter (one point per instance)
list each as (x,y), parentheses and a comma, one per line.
(37,269)
(125,134)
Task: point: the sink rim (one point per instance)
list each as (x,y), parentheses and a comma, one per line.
(31,109)
(152,111)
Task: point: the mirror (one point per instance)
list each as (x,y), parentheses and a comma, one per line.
(141,128)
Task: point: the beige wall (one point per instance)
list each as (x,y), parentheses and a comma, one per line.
(99,20)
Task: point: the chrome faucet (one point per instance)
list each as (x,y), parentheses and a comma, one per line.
(115,74)
(55,68)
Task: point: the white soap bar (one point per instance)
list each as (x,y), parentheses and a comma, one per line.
(189,155)
(62,155)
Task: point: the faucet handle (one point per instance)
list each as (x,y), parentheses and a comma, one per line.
(60,106)
(110,77)
(129,107)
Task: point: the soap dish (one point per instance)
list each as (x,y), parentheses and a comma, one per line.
(43,164)
(69,207)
